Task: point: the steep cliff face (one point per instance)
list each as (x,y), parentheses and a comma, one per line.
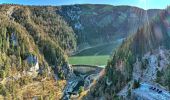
(53,37)
(98,24)
(148,39)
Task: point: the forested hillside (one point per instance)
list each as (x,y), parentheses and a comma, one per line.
(34,43)
(147,52)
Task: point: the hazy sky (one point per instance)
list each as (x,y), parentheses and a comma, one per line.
(146,4)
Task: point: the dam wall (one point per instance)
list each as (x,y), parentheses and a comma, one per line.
(84,69)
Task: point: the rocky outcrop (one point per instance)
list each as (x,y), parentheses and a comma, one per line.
(13,40)
(67,71)
(146,72)
(152,62)
(34,65)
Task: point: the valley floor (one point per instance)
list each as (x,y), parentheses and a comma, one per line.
(89,60)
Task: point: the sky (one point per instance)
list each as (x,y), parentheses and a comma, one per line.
(145,4)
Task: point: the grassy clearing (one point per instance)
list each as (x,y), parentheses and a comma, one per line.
(89,60)
(97,55)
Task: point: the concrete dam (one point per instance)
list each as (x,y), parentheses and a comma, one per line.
(85,69)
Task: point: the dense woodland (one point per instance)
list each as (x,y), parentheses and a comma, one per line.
(38,32)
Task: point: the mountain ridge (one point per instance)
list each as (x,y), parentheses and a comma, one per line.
(109,22)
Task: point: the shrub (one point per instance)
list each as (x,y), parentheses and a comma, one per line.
(81,89)
(2,74)
(136,84)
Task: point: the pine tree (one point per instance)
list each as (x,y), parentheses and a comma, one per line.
(0,42)
(22,48)
(2,74)
(3,31)
(7,68)
(7,42)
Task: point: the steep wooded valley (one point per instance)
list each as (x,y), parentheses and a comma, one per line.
(36,43)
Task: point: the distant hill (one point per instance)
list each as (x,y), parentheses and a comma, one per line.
(101,24)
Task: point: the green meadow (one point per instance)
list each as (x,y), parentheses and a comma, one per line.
(97,55)
(89,60)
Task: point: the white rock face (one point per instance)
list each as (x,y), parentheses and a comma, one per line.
(74,15)
(13,39)
(34,68)
(78,25)
(151,71)
(157,61)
